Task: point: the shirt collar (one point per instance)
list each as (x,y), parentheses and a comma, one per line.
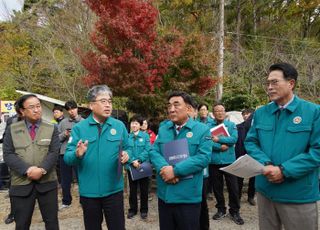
(290,106)
(287,104)
(29,124)
(93,121)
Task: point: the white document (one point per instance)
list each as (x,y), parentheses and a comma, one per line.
(245,167)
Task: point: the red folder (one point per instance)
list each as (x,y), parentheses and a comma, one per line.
(220,130)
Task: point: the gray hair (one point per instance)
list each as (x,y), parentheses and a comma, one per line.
(97,90)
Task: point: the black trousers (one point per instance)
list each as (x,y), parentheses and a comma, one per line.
(210,181)
(251,189)
(23,207)
(204,212)
(144,188)
(66,174)
(112,208)
(232,187)
(178,216)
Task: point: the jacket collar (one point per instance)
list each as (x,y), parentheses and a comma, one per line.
(189,125)
(138,135)
(92,121)
(291,107)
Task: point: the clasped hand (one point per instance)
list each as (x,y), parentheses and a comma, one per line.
(34,173)
(273,174)
(167,174)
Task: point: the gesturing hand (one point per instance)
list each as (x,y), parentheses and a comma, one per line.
(81,148)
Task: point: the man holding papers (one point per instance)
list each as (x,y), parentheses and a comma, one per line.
(179,186)
(224,136)
(285,137)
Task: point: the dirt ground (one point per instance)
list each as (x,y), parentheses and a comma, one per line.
(71,218)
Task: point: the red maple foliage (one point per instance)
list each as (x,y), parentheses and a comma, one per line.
(129,56)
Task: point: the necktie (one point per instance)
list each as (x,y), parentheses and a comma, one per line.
(32,131)
(281,109)
(178,129)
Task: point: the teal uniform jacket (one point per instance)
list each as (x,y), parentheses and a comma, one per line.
(200,144)
(140,145)
(97,169)
(209,124)
(209,121)
(290,137)
(219,157)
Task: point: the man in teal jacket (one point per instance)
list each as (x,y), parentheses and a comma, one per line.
(180,198)
(285,137)
(95,146)
(223,154)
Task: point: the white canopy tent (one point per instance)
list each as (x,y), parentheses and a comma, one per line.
(47,104)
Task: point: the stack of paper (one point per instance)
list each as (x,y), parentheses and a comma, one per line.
(245,166)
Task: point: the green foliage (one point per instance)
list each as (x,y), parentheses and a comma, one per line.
(239,101)
(187,15)
(8,93)
(39,50)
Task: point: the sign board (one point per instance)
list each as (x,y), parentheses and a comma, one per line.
(7,107)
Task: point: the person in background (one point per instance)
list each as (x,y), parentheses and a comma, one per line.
(204,117)
(204,212)
(152,136)
(285,137)
(67,171)
(30,150)
(145,128)
(243,129)
(140,154)
(17,117)
(223,155)
(179,202)
(98,146)
(203,110)
(58,116)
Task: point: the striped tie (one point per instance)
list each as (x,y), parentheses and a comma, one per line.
(32,131)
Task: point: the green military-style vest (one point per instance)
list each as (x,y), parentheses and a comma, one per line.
(31,151)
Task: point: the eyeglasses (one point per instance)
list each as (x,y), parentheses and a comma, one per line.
(219,111)
(104,101)
(33,107)
(273,83)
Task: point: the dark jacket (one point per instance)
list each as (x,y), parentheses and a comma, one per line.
(243,129)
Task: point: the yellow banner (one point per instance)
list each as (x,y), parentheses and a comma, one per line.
(7,107)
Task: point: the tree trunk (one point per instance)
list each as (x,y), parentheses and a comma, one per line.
(238,31)
(254,11)
(219,89)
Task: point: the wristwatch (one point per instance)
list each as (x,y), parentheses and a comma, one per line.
(281,169)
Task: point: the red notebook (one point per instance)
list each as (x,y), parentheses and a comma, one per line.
(220,130)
